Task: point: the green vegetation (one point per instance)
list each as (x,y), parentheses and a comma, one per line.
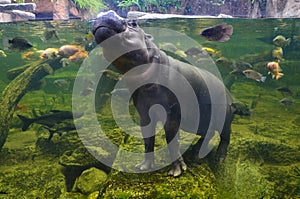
(82,4)
(89,4)
(148,5)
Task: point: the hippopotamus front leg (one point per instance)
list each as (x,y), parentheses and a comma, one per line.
(148,131)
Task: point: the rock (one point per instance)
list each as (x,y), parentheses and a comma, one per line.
(19,15)
(61,10)
(44,8)
(5,1)
(18,6)
(144,15)
(80,157)
(90,180)
(292,9)
(4,17)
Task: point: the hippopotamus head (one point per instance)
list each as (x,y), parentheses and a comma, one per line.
(108,24)
(124,43)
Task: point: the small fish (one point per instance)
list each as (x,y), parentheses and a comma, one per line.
(221,32)
(286,102)
(32,55)
(21,107)
(86,91)
(278,53)
(285,91)
(120,92)
(89,37)
(49,120)
(281,41)
(2,53)
(296,38)
(252,74)
(275,70)
(27,55)
(60,130)
(50,53)
(62,84)
(69,50)
(17,43)
(212,52)
(166,46)
(65,62)
(49,33)
(79,56)
(194,52)
(180,53)
(241,65)
(90,42)
(88,81)
(111,74)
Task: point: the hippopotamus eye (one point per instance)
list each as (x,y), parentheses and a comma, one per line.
(133,23)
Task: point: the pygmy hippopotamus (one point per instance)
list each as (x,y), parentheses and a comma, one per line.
(204,111)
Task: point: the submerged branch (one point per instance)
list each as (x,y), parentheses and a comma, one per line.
(18,87)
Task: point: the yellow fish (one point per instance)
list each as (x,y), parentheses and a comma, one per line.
(212,52)
(281,41)
(278,54)
(2,53)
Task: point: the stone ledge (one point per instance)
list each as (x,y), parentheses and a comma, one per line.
(22,15)
(17,6)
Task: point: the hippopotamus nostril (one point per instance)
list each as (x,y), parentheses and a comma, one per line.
(103,33)
(109,24)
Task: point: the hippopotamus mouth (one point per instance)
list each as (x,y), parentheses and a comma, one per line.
(108,24)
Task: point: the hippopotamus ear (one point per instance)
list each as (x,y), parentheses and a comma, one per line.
(149,37)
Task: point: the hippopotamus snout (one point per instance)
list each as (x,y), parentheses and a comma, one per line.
(108,24)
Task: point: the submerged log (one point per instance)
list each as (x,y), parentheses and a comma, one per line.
(18,87)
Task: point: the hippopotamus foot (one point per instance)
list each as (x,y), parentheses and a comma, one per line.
(177,168)
(221,152)
(146,165)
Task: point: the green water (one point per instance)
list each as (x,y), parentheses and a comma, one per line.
(263,159)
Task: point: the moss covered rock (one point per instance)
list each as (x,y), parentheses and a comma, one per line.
(90,180)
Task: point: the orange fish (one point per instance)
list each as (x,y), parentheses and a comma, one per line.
(78,57)
(69,50)
(21,107)
(275,70)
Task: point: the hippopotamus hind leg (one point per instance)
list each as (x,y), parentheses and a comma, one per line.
(225,138)
(172,137)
